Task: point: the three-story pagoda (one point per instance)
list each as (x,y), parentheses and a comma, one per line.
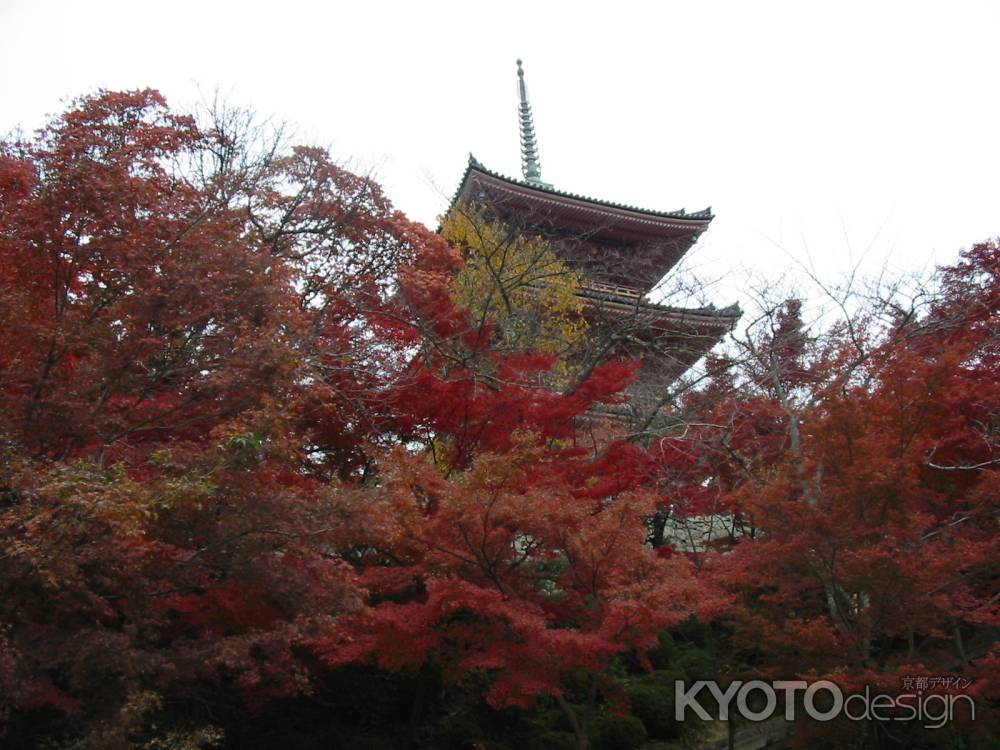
(621,254)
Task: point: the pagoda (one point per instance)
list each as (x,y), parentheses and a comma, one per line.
(621,254)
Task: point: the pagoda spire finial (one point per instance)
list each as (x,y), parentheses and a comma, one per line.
(531,168)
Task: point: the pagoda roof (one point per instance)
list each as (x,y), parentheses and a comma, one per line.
(585,209)
(708,315)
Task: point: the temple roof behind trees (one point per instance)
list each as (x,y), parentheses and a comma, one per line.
(553,212)
(618,249)
(576,214)
(621,253)
(709,314)
(475,169)
(618,246)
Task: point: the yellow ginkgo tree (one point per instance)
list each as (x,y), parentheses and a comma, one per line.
(516,283)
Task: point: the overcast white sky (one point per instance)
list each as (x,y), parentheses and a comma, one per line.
(816,131)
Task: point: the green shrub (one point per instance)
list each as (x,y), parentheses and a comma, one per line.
(553,741)
(610,732)
(651,699)
(660,656)
(696,665)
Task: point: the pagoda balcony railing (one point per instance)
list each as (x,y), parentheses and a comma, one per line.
(621,291)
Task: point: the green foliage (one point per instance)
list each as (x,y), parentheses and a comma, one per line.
(651,699)
(244,449)
(696,665)
(553,741)
(613,732)
(454,731)
(661,655)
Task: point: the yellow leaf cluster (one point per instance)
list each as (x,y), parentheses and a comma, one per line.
(516,282)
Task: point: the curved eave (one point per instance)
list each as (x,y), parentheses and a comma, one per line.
(588,210)
(724,319)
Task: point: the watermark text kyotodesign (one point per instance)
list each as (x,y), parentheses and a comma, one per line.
(822,700)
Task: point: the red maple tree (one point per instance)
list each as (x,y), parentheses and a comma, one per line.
(247,439)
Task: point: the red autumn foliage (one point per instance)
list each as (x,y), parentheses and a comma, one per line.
(858,472)
(217,368)
(246,438)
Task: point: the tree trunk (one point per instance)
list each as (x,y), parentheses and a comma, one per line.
(582,741)
(417,707)
(658,525)
(960,646)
